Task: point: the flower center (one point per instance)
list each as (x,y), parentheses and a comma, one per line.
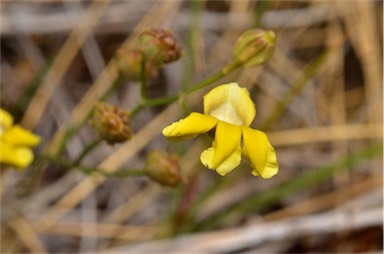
(227,114)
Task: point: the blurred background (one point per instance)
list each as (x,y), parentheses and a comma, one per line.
(319,98)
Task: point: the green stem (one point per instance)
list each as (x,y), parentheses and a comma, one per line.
(215,77)
(143,78)
(169,99)
(21,104)
(152,103)
(261,8)
(92,170)
(120,173)
(86,150)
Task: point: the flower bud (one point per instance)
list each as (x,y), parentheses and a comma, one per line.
(129,62)
(254,47)
(159,46)
(111,123)
(163,168)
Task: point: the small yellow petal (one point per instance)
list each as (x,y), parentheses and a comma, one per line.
(6,120)
(260,152)
(20,157)
(18,136)
(225,153)
(189,127)
(227,165)
(230,103)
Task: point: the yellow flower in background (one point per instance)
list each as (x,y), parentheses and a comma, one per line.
(15,142)
(230,110)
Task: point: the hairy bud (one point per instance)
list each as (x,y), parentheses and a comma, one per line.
(111,123)
(254,47)
(159,46)
(163,168)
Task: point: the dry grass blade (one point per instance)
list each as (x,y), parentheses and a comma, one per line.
(234,239)
(325,134)
(363,30)
(62,62)
(133,205)
(100,230)
(27,234)
(325,201)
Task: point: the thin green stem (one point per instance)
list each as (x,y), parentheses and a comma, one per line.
(120,173)
(93,170)
(261,8)
(215,77)
(143,78)
(169,99)
(86,150)
(116,85)
(21,104)
(194,31)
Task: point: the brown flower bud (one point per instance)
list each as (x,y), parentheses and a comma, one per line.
(129,62)
(111,123)
(254,47)
(163,168)
(159,46)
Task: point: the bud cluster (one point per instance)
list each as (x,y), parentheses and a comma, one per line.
(156,47)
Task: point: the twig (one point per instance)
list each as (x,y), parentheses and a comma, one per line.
(27,234)
(99,230)
(325,201)
(325,134)
(237,239)
(61,64)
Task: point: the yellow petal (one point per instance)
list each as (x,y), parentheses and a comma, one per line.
(227,165)
(189,127)
(18,136)
(6,120)
(230,103)
(261,153)
(20,157)
(225,153)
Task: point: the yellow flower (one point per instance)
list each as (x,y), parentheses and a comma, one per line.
(229,109)
(15,142)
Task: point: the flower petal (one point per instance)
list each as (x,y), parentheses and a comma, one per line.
(189,127)
(20,157)
(6,120)
(261,153)
(225,153)
(18,136)
(227,165)
(230,103)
